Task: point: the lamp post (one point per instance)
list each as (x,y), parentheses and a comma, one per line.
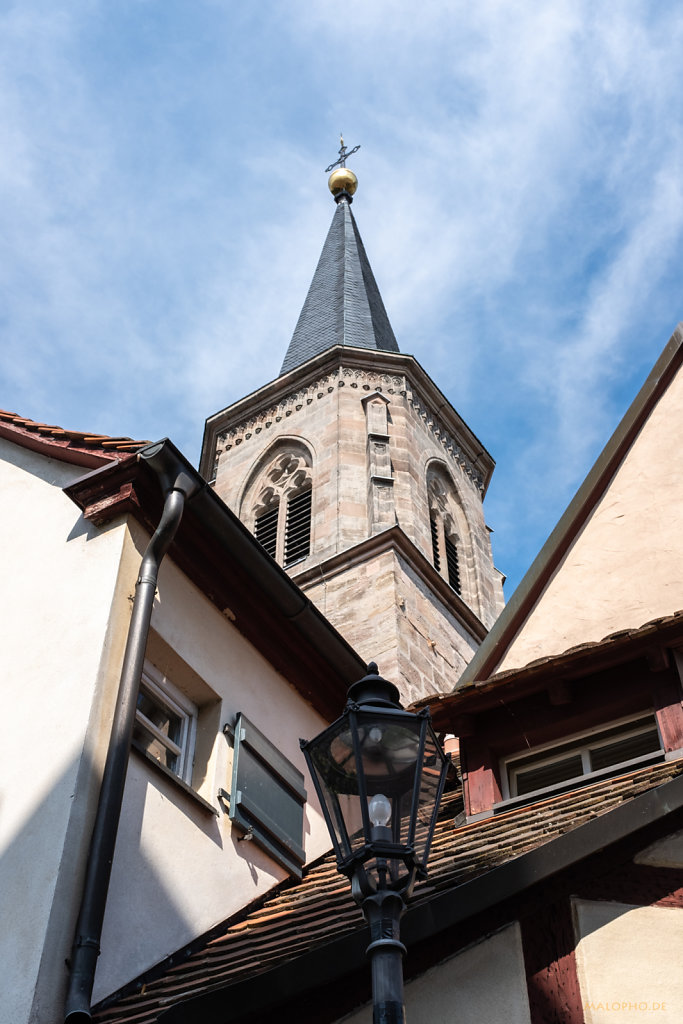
(379,772)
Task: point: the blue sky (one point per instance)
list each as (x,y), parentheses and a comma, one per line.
(163,204)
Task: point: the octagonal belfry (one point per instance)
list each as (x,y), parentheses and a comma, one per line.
(359,477)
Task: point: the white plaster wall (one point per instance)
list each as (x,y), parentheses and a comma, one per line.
(56,592)
(64,614)
(485,982)
(626,565)
(628,961)
(665,853)
(178,871)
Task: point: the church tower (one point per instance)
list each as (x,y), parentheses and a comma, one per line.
(359,477)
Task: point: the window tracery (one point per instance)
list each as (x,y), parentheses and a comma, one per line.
(281,507)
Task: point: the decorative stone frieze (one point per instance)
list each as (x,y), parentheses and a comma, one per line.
(299,400)
(353,377)
(447,440)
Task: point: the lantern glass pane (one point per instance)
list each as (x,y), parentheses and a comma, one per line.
(347,820)
(333,761)
(388,747)
(433,762)
(378,772)
(353,819)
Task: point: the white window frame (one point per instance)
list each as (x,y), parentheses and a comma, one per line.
(161,690)
(508,774)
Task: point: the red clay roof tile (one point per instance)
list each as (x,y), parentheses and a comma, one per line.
(75,446)
(298,917)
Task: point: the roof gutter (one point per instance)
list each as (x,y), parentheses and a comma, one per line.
(177,485)
(313,655)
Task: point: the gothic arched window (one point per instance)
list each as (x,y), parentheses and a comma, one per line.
(448,531)
(280,511)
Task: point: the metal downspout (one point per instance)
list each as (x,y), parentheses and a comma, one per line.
(177,486)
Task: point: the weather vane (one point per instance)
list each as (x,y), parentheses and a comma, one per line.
(343,154)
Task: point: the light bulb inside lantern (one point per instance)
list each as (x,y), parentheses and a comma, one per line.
(375,734)
(379,809)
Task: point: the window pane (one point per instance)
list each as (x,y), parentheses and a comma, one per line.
(547,775)
(624,750)
(163,718)
(163,727)
(155,747)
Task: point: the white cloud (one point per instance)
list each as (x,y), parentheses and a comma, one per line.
(162,207)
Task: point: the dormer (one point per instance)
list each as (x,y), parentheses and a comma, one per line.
(598,711)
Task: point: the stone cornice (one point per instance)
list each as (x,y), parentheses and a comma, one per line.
(395,539)
(370,371)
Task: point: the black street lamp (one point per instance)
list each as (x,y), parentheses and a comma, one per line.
(379,772)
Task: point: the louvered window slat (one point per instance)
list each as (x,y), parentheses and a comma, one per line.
(435,544)
(298,527)
(549,774)
(623,744)
(624,750)
(266,530)
(452,564)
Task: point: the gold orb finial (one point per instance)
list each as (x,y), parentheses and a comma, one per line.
(342,180)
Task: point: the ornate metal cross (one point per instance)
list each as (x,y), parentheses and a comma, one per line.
(343,154)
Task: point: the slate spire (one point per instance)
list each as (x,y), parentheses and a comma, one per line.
(343,305)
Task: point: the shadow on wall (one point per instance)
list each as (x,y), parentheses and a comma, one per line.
(42,866)
(162,868)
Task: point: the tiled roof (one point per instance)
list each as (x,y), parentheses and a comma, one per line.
(77,446)
(296,918)
(575,660)
(343,305)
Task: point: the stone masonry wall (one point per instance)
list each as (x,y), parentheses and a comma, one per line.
(389,615)
(369,467)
